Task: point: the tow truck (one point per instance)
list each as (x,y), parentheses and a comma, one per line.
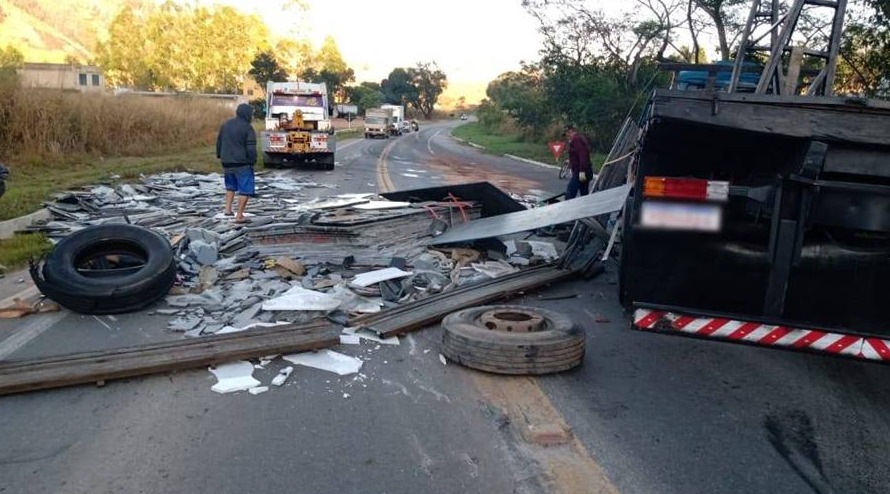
(298,130)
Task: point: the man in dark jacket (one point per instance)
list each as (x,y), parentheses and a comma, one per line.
(236,149)
(579,163)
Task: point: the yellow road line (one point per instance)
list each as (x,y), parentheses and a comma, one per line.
(384,182)
(569,467)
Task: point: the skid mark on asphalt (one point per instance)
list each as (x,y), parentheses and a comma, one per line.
(569,467)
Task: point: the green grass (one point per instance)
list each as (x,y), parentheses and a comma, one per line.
(512,144)
(349,133)
(15,252)
(30,183)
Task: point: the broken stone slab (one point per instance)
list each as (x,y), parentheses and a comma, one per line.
(209,298)
(247,316)
(291,265)
(184,323)
(205,253)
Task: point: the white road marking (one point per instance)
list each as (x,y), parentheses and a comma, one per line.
(347,145)
(429,142)
(22,295)
(104,324)
(36,325)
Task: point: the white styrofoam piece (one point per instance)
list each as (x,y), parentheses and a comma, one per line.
(371,277)
(382,205)
(299,298)
(232,377)
(327,360)
(258,389)
(232,329)
(350,339)
(282,376)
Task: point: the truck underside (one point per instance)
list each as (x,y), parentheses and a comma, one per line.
(760,208)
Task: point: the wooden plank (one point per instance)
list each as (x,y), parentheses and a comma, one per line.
(423,313)
(827,124)
(794,62)
(18,376)
(824,102)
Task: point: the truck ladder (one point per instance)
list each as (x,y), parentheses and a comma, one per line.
(781,76)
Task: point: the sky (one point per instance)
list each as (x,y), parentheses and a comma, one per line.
(472,41)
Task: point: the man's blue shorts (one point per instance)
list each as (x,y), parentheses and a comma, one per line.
(240,181)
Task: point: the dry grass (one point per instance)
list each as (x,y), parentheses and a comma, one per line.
(51,124)
(54,140)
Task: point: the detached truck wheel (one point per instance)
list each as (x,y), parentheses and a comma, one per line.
(107,269)
(511,339)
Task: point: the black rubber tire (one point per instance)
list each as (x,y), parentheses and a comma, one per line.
(559,346)
(112,293)
(326,162)
(564,171)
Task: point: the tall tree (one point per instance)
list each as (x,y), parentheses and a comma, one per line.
(864,67)
(398,88)
(365,95)
(173,46)
(327,66)
(430,82)
(265,68)
(727,18)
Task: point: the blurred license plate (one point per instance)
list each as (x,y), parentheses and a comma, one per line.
(681,216)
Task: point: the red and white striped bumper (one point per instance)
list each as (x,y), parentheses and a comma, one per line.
(764,334)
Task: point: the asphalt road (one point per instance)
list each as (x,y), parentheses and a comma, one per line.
(649,413)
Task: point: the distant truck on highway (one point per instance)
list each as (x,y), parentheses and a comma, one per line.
(298,130)
(378,122)
(398,117)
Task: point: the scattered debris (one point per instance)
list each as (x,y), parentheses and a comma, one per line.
(282,376)
(327,360)
(232,377)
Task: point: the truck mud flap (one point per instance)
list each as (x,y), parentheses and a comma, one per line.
(763,333)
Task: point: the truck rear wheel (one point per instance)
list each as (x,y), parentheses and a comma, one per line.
(326,162)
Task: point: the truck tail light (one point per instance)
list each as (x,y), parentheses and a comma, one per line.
(686,188)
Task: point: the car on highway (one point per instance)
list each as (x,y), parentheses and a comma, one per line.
(463,116)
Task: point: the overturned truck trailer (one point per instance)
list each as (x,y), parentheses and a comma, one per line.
(762,219)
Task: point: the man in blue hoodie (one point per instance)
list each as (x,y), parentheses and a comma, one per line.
(236,149)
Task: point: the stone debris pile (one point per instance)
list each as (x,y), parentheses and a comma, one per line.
(308,253)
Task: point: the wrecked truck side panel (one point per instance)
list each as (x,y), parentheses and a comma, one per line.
(804,233)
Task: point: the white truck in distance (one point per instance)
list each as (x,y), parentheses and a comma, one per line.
(298,129)
(398,118)
(378,122)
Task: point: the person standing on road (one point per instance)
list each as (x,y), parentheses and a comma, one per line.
(236,150)
(4,173)
(579,163)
